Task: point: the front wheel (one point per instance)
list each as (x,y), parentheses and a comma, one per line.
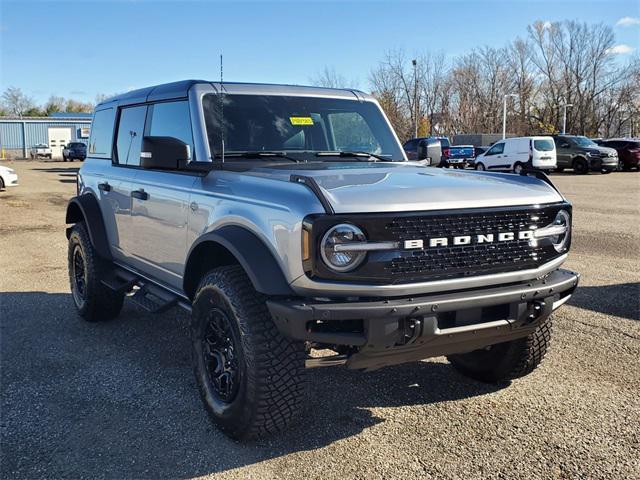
(580,166)
(94,300)
(251,378)
(517,168)
(506,361)
(480,167)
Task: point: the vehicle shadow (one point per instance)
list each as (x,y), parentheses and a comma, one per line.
(119,398)
(65,175)
(58,170)
(621,300)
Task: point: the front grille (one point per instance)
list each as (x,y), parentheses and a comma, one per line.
(443,262)
(468,260)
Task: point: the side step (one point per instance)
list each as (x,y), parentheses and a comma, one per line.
(147,295)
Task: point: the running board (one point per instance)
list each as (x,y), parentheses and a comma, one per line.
(149,296)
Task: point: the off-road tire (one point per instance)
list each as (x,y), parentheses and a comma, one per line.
(580,166)
(97,302)
(506,361)
(271,380)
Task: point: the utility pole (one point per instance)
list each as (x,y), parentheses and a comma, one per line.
(415,96)
(504,113)
(564,116)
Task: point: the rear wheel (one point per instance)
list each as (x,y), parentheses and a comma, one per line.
(506,361)
(94,300)
(251,378)
(580,166)
(480,166)
(517,168)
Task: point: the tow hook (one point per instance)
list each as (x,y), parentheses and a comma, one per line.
(537,309)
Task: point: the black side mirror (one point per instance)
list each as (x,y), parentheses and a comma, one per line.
(164,153)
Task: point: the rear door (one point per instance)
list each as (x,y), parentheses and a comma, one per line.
(563,152)
(127,152)
(161,201)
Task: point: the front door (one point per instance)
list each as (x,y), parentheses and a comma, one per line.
(59,137)
(161,202)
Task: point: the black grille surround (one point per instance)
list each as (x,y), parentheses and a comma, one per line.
(401,265)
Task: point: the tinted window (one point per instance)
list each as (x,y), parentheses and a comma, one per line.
(543,145)
(171,120)
(496,149)
(411,145)
(583,142)
(303,125)
(130,132)
(101,139)
(444,142)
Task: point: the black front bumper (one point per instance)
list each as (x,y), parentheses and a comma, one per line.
(390,331)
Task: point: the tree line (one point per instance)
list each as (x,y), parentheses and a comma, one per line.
(14,102)
(555,64)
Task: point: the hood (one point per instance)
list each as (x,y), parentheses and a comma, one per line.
(609,152)
(387,187)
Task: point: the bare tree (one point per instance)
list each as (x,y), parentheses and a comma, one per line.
(330,78)
(16,102)
(55,104)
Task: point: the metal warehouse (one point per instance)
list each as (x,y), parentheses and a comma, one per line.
(18,135)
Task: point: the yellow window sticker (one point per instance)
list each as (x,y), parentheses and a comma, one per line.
(301,120)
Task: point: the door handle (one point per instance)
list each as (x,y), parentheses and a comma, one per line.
(104,187)
(140,194)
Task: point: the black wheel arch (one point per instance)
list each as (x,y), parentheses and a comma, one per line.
(85,208)
(230,245)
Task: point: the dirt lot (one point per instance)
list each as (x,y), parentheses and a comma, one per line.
(118,400)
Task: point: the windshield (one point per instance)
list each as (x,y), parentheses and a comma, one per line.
(301,126)
(584,142)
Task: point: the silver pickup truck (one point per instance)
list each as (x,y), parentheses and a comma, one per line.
(289,223)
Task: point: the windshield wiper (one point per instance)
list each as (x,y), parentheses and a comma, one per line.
(258,154)
(369,156)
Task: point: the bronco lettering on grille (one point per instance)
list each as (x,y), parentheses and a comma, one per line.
(467,239)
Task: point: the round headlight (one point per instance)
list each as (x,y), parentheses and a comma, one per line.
(560,241)
(342,260)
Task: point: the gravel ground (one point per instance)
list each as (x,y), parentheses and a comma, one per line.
(118,400)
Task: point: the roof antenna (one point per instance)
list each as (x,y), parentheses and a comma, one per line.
(221,111)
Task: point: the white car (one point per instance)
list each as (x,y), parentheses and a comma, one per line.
(515,154)
(40,150)
(8,177)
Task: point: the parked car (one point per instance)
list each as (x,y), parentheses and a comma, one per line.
(628,152)
(8,177)
(73,151)
(515,154)
(427,149)
(583,155)
(41,150)
(284,241)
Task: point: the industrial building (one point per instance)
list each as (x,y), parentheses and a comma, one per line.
(18,135)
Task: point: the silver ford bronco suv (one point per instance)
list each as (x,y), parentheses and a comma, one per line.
(289,223)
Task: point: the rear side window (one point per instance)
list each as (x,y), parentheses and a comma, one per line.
(130,132)
(101,139)
(171,119)
(543,145)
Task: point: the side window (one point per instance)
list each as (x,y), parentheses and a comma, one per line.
(411,145)
(352,133)
(101,138)
(171,120)
(130,132)
(496,149)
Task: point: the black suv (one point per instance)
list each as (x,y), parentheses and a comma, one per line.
(584,155)
(74,150)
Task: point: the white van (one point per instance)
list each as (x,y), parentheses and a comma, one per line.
(514,154)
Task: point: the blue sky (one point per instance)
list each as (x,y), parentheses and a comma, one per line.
(80,49)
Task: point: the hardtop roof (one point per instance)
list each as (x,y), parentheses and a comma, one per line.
(180,89)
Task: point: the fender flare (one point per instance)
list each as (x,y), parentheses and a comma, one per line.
(252,254)
(85,208)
